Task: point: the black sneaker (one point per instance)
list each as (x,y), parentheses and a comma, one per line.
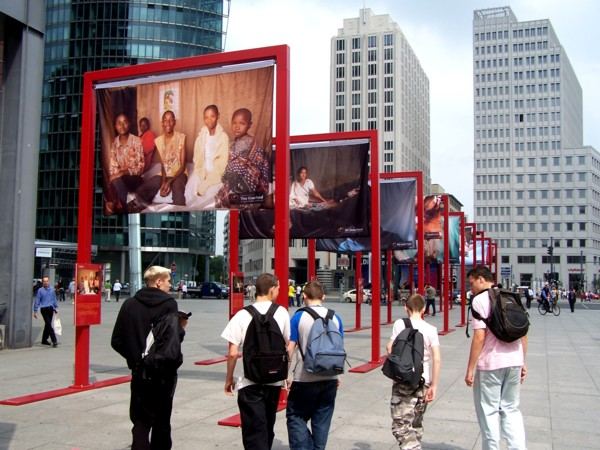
(46,343)
(55,344)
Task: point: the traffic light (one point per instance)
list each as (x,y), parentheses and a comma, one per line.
(550,251)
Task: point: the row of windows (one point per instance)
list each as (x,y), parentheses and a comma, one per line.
(545,194)
(541,59)
(518,33)
(520,89)
(388,83)
(388,68)
(490,63)
(530,46)
(551,211)
(532,243)
(340,44)
(531,162)
(495,211)
(531,259)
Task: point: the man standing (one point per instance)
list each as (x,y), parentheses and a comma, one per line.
(572,297)
(118,286)
(72,288)
(107,289)
(312,397)
(500,371)
(257,402)
(151,399)
(298,296)
(45,301)
(430,299)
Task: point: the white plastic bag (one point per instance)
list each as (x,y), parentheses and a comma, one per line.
(56,325)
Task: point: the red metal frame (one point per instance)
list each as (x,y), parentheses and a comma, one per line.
(420,221)
(234,251)
(463,284)
(359,294)
(446,291)
(280,55)
(312,263)
(390,286)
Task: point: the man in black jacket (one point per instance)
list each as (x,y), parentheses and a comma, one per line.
(151,397)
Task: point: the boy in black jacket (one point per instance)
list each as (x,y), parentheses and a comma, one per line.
(151,397)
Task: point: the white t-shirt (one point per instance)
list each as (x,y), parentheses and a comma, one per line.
(209,152)
(430,339)
(235,332)
(299,193)
(117,287)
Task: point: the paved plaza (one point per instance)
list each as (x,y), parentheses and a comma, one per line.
(560,399)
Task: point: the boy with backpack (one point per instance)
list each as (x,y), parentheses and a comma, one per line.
(413,347)
(500,361)
(261,331)
(317,333)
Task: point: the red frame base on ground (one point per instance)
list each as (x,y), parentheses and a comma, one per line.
(353,330)
(236,419)
(210,362)
(40,396)
(368,367)
(448,331)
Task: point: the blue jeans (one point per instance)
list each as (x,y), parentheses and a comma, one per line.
(312,401)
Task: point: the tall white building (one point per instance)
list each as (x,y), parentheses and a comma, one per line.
(377,82)
(535,183)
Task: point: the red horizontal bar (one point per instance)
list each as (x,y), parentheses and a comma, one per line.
(210,362)
(352,330)
(236,419)
(47,395)
(368,367)
(448,331)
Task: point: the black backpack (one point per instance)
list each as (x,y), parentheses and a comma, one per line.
(508,319)
(325,354)
(162,355)
(405,362)
(264,352)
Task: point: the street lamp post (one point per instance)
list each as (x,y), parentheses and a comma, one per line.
(582,280)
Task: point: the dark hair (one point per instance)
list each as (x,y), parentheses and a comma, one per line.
(122,113)
(168,111)
(481,271)
(213,107)
(145,119)
(264,282)
(300,169)
(314,290)
(243,112)
(415,303)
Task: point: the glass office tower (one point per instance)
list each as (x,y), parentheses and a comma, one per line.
(86,35)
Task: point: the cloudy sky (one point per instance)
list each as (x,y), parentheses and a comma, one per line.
(439,32)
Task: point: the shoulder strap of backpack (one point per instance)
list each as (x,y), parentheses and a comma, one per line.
(310,311)
(407,322)
(253,311)
(272,310)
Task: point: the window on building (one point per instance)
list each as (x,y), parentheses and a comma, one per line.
(372,40)
(356,43)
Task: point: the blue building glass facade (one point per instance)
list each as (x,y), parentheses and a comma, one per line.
(87,35)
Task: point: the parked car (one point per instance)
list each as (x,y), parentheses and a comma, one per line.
(209,289)
(350,296)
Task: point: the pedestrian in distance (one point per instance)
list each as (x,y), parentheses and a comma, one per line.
(495,371)
(45,302)
(117,289)
(291,294)
(257,400)
(572,297)
(408,404)
(430,298)
(152,391)
(298,296)
(312,395)
(107,290)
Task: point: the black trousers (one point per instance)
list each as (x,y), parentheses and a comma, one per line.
(150,411)
(47,314)
(432,303)
(258,407)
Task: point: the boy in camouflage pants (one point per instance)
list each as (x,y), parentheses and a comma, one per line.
(407,404)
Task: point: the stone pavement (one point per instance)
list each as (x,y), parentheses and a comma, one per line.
(560,398)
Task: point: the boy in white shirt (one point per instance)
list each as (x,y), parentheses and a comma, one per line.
(257,402)
(408,405)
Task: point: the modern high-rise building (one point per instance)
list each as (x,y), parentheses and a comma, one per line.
(87,35)
(536,185)
(377,82)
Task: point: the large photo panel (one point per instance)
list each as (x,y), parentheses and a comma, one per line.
(329,194)
(189,143)
(397,219)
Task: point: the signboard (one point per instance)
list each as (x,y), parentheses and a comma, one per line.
(43,252)
(505,271)
(88,279)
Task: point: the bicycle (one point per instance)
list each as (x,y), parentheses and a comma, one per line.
(544,307)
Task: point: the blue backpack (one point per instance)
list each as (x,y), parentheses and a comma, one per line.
(325,354)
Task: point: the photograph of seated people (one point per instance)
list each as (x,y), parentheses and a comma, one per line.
(303,189)
(169,186)
(248,168)
(211,152)
(126,164)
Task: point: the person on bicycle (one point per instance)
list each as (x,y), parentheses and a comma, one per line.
(546,297)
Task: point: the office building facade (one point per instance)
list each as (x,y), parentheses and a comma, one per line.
(377,82)
(92,35)
(535,183)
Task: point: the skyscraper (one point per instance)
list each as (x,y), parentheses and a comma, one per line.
(377,82)
(536,185)
(86,35)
